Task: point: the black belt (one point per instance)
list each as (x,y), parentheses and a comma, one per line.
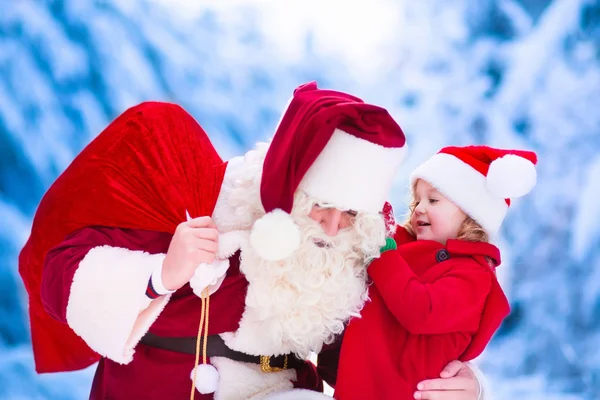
(216,347)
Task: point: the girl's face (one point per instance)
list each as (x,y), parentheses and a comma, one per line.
(434,216)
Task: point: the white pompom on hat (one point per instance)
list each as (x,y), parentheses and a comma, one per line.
(511,176)
(481,180)
(275,236)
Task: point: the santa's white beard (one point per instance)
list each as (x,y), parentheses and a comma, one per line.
(298,304)
(304,301)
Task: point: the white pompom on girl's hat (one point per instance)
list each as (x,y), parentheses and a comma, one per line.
(481,180)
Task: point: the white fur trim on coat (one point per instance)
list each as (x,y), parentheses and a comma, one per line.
(108,307)
(298,394)
(352,173)
(238,380)
(464,186)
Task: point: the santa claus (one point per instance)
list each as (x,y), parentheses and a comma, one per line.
(189,277)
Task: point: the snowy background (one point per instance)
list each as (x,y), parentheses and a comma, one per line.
(508,73)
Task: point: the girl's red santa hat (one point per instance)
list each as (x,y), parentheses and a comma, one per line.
(481,180)
(336,148)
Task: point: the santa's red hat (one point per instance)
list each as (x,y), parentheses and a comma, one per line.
(336,148)
(481,180)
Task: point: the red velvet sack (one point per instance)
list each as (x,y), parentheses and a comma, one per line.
(144,171)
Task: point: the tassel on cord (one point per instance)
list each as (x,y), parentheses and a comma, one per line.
(207,383)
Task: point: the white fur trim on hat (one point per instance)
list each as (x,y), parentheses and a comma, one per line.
(511,176)
(464,186)
(275,236)
(353,173)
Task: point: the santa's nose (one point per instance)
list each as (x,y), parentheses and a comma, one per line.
(332,222)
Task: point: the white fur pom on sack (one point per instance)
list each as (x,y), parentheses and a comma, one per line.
(275,236)
(209,276)
(511,176)
(207,378)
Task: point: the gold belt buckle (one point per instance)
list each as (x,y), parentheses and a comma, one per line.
(265,364)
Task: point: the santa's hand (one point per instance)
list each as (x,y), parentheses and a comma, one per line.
(195,242)
(457,382)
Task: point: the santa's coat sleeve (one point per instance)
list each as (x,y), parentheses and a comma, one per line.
(452,303)
(94,283)
(328,361)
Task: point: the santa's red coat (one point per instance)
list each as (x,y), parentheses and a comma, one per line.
(98,231)
(430,304)
(153,373)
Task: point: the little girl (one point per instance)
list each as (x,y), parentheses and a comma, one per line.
(435,299)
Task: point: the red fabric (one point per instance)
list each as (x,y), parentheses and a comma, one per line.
(307,377)
(480,157)
(153,373)
(422,315)
(143,171)
(388,217)
(305,129)
(328,361)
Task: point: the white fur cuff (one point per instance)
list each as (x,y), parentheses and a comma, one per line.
(107,295)
(485,391)
(157,282)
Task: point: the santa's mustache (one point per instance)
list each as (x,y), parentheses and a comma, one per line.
(321,243)
(313,234)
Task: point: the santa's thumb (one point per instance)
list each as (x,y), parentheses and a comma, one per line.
(452,369)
